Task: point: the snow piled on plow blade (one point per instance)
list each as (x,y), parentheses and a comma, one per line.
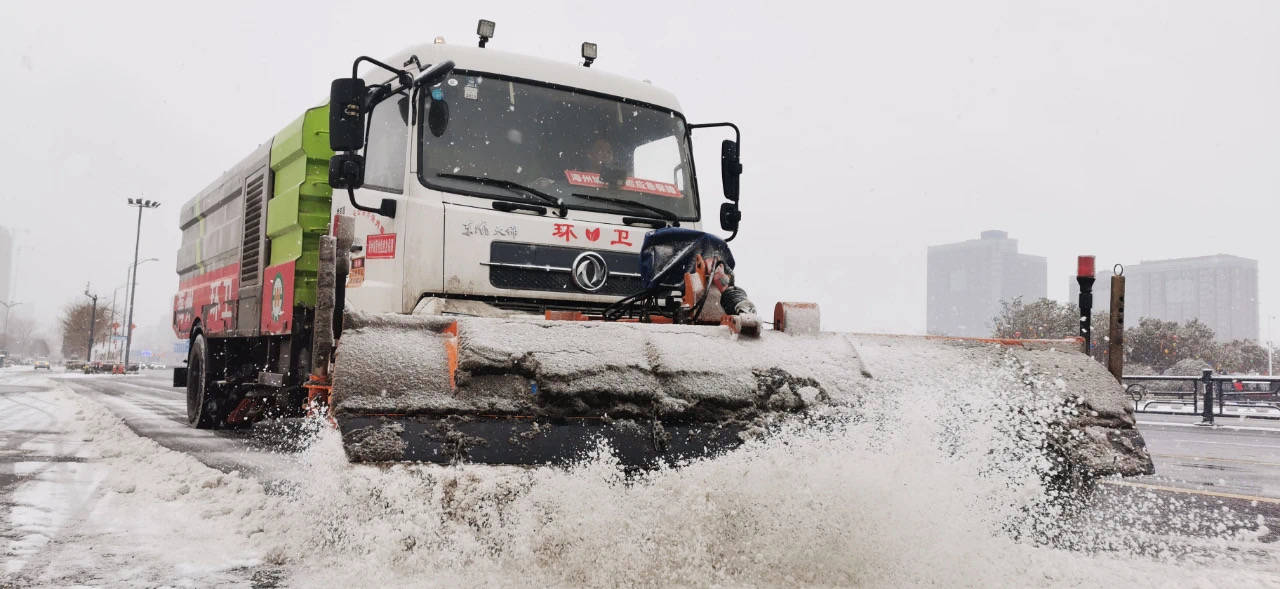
(521,391)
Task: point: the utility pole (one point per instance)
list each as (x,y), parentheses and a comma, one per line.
(111,345)
(133,288)
(93,318)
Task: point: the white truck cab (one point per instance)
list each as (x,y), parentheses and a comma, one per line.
(521,182)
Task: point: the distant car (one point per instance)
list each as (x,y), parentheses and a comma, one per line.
(42,364)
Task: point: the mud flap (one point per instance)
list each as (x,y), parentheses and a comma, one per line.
(180,377)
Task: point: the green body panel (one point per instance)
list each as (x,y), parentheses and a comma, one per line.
(299,210)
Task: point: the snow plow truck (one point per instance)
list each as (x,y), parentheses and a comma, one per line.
(467,255)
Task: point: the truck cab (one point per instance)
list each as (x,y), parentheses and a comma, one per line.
(521,182)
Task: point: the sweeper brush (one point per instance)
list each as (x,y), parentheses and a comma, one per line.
(520,391)
(531,390)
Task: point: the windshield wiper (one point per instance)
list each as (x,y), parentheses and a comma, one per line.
(510,185)
(664,214)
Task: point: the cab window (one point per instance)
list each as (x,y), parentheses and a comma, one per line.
(388,139)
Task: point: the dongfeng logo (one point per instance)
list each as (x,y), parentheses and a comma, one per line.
(277,298)
(589,271)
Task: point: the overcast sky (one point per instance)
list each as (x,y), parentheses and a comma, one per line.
(1129,130)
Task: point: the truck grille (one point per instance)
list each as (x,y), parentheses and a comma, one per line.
(549,268)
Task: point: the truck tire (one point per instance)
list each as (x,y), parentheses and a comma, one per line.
(204,402)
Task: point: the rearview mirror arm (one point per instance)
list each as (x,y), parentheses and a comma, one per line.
(402,75)
(386,209)
(737,135)
(730,215)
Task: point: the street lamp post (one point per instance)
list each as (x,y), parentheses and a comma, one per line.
(7,306)
(130,272)
(133,287)
(111,347)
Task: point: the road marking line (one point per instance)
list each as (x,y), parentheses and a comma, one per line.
(1241,460)
(1191,491)
(1213,443)
(1215,426)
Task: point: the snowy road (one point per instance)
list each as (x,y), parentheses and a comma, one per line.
(154,409)
(1237,457)
(72,514)
(103,484)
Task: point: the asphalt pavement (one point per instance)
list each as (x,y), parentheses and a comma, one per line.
(1236,456)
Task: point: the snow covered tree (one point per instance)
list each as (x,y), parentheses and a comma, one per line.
(1152,346)
(1240,357)
(1049,319)
(1041,319)
(1161,344)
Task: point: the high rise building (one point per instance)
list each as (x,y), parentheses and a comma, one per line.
(1220,290)
(967,281)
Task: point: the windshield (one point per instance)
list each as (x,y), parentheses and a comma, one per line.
(563,143)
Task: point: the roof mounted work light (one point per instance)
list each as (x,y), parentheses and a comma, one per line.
(485,30)
(588,53)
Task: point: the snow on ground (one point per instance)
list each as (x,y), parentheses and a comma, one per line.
(95,504)
(876,503)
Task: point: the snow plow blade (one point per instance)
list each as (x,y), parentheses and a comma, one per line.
(530,392)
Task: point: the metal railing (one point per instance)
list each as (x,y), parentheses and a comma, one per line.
(1235,395)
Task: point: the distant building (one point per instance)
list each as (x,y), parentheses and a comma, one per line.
(1221,291)
(967,281)
(6,264)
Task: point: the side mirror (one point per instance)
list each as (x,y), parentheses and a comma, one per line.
(346,114)
(730,216)
(730,170)
(346,170)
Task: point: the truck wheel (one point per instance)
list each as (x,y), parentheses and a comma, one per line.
(203,410)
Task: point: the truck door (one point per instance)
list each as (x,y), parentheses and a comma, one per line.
(377,272)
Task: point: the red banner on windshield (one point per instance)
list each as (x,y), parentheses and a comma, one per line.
(593,180)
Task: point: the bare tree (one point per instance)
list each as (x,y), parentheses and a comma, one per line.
(75,328)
